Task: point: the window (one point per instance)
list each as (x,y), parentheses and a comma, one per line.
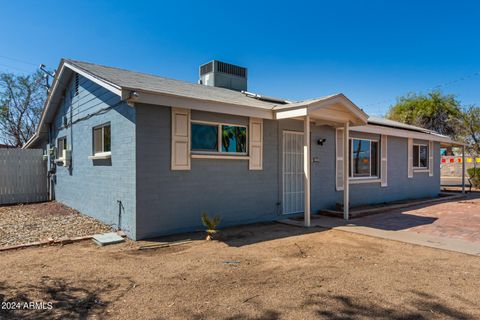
(363,158)
(204,137)
(420,156)
(61,145)
(234,139)
(219,138)
(101,139)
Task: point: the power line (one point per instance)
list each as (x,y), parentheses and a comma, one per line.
(439,86)
(15,68)
(18,60)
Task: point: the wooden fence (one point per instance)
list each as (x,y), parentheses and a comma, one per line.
(23,176)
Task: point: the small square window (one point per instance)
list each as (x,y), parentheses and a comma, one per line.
(101,139)
(420,156)
(61,145)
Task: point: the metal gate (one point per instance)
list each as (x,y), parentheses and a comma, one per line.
(23,176)
(293,175)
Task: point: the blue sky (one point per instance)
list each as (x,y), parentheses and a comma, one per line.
(373,51)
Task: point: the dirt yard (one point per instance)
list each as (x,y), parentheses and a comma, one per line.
(21,224)
(271,271)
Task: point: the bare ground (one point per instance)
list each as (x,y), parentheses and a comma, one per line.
(21,224)
(268,271)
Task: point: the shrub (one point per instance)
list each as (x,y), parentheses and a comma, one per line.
(474,175)
(211,224)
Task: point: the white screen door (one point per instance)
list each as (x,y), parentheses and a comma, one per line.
(293,172)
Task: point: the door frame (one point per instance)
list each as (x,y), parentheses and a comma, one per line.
(284,133)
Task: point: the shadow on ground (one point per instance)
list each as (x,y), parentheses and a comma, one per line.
(242,235)
(81,301)
(342,307)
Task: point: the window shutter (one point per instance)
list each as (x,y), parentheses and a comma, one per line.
(180,139)
(339,159)
(383,161)
(410,157)
(430,158)
(256,144)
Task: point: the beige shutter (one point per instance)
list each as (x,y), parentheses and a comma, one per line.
(410,157)
(339,159)
(180,139)
(383,161)
(430,158)
(256,144)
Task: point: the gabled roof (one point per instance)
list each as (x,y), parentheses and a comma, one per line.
(154,89)
(395,124)
(143,82)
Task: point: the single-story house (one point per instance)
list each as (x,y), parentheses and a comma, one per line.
(149,154)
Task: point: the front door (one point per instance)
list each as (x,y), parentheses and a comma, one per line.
(293,174)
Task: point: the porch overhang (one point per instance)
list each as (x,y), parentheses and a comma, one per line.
(333,110)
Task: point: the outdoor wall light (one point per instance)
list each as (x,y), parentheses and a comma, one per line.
(320,142)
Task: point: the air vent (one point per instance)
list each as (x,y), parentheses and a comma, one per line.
(224,75)
(206,68)
(231,69)
(77,80)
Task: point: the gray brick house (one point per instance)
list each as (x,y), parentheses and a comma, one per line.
(148,154)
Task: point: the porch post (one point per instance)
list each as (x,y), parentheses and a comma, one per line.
(306,169)
(463,169)
(346,168)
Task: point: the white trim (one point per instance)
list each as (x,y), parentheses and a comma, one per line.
(101,156)
(351,176)
(430,158)
(180,139)
(339,149)
(101,82)
(403,133)
(163,99)
(410,157)
(255,144)
(284,154)
(306,170)
(346,180)
(291,113)
(384,160)
(223,157)
(420,168)
(365,180)
(219,126)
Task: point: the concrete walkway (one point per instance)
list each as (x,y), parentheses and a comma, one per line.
(423,239)
(451,225)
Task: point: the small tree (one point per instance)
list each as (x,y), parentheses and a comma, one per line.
(211,224)
(470,124)
(433,111)
(21,104)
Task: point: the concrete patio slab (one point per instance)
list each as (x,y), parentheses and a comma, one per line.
(423,239)
(449,225)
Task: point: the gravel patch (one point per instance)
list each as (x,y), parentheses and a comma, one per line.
(21,224)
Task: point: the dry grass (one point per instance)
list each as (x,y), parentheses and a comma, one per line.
(258,272)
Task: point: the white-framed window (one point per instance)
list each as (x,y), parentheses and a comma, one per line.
(218,138)
(102,139)
(420,156)
(364,155)
(61,145)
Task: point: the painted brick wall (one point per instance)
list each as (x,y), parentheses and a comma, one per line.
(172,201)
(95,187)
(399,186)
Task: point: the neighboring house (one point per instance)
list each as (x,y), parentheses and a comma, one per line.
(149,154)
